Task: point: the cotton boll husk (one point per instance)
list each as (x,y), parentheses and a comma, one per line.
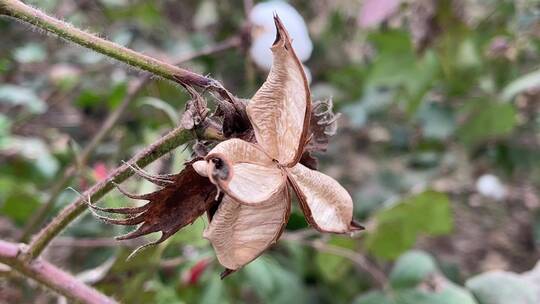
(490,186)
(262,18)
(307,71)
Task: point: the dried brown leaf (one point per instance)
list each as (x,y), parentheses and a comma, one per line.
(170,208)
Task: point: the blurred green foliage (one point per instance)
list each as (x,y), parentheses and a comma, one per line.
(435,96)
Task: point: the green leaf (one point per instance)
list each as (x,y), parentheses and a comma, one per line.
(35,151)
(19,206)
(448,293)
(373,297)
(161,105)
(399,225)
(214,292)
(19,96)
(334,267)
(487,120)
(500,287)
(273,283)
(522,83)
(438,122)
(29,53)
(412,268)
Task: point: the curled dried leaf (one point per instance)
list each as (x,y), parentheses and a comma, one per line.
(323,125)
(169,208)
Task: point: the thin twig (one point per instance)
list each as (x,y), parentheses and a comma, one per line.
(378,276)
(51,276)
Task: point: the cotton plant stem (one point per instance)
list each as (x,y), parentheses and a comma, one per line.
(51,276)
(20,11)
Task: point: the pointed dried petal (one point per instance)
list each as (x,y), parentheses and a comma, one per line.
(240,151)
(241,233)
(280,110)
(243,171)
(328,207)
(249,184)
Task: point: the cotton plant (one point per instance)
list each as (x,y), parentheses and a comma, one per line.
(245,183)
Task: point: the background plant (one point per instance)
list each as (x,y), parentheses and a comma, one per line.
(435,97)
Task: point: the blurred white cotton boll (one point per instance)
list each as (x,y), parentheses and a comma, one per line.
(262,18)
(490,186)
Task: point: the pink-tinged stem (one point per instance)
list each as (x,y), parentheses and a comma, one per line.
(50,276)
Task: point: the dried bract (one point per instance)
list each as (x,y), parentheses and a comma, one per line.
(182,199)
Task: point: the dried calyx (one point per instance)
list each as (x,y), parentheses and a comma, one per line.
(244,182)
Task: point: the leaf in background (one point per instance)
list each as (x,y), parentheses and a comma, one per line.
(397,67)
(5,127)
(448,293)
(373,297)
(395,61)
(399,225)
(30,53)
(499,287)
(35,151)
(522,83)
(164,294)
(273,283)
(161,105)
(487,120)
(438,121)
(214,292)
(333,267)
(20,96)
(19,206)
(412,268)
(133,273)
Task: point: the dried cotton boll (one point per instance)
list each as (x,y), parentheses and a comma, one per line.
(262,18)
(490,186)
